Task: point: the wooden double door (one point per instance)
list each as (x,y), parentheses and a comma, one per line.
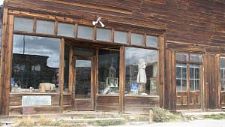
(189,92)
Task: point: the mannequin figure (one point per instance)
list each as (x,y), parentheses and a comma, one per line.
(141,77)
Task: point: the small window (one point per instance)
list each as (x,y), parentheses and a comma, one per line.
(23,24)
(152,41)
(66,30)
(85,32)
(137,39)
(103,34)
(120,37)
(45,27)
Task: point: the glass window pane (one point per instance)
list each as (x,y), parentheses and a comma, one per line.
(197,58)
(184,72)
(103,35)
(85,32)
(222,62)
(152,41)
(35,64)
(141,71)
(178,85)
(120,37)
(197,74)
(83,79)
(178,72)
(137,39)
(66,30)
(108,68)
(45,27)
(182,57)
(192,85)
(66,68)
(184,85)
(197,85)
(192,73)
(23,24)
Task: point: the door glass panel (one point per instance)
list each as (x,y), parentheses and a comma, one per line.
(83,79)
(194,77)
(181,81)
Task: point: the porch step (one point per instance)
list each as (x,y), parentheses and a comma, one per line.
(69,119)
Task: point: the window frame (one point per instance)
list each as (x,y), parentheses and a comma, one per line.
(189,63)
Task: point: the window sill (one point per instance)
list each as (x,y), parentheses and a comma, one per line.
(30,93)
(153,96)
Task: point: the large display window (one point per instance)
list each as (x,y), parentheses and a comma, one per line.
(141,71)
(35,65)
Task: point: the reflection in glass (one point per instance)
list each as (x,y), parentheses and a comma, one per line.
(194,77)
(23,24)
(103,35)
(120,37)
(35,63)
(83,78)
(45,27)
(141,71)
(66,29)
(152,41)
(137,39)
(66,68)
(181,79)
(108,69)
(85,32)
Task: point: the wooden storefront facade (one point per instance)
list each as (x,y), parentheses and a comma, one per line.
(121,56)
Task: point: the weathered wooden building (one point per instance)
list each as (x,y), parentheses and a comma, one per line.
(121,55)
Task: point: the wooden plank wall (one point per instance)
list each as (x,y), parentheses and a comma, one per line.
(197,22)
(15,105)
(192,21)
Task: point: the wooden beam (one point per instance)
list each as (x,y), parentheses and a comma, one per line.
(61,72)
(3,55)
(71,71)
(7,67)
(122,78)
(161,69)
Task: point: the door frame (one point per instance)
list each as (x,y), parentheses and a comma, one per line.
(93,80)
(188,93)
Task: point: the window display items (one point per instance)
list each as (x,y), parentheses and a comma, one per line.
(141,76)
(134,88)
